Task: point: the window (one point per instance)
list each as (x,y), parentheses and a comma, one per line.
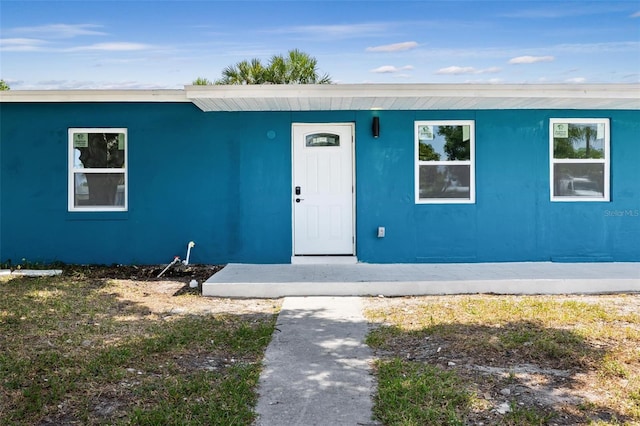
(445,153)
(97,169)
(323,139)
(579,159)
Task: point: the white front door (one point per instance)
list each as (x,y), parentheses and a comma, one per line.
(323,189)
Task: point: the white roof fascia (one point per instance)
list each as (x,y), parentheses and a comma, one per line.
(309,97)
(93,96)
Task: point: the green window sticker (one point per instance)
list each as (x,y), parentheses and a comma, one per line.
(560,130)
(80,140)
(425,133)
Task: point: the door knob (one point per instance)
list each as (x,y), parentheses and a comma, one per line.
(299,199)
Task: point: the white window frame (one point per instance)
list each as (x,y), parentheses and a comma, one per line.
(471,162)
(606,160)
(72,170)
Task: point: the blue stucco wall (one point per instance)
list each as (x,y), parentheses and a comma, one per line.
(513,218)
(223,180)
(215,179)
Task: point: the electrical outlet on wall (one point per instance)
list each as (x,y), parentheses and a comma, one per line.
(381,231)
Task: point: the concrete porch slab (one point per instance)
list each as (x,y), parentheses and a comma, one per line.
(362,279)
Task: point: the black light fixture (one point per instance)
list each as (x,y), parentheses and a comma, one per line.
(375,127)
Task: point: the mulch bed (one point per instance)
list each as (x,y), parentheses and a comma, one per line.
(176,272)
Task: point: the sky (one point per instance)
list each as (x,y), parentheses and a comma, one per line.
(140,44)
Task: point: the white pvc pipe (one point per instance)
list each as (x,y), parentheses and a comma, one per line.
(174,261)
(189,246)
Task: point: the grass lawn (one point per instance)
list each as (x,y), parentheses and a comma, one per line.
(79,349)
(507,360)
(89,348)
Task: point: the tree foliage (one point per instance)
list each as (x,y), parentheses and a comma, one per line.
(455,146)
(201,81)
(579,144)
(296,67)
(4,85)
(427,153)
(244,72)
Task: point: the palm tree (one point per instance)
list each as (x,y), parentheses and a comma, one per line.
(296,67)
(201,81)
(244,72)
(4,85)
(585,134)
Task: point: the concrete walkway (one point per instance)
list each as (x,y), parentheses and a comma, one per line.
(362,279)
(317,367)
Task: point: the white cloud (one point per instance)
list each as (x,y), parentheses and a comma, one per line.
(455,70)
(21,44)
(585,48)
(543,51)
(576,80)
(388,69)
(531,59)
(336,31)
(111,47)
(89,85)
(395,47)
(60,30)
(12,82)
(567,10)
(636,15)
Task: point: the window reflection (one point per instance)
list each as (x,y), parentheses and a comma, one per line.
(99,189)
(97,174)
(444,163)
(445,181)
(578,180)
(580,167)
(444,143)
(98,150)
(577,140)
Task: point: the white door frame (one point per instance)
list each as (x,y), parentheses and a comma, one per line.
(323,259)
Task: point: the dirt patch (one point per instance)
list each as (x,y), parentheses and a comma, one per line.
(139,286)
(161,298)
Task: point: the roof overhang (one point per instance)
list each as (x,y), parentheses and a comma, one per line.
(341,97)
(412,97)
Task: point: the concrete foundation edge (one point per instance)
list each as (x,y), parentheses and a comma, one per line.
(419,288)
(31,272)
